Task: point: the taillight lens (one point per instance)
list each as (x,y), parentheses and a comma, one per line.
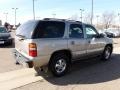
(32,50)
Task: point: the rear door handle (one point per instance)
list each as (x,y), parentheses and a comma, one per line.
(21,39)
(89,41)
(72,42)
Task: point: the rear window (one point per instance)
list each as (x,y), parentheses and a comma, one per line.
(3,30)
(50,29)
(25,30)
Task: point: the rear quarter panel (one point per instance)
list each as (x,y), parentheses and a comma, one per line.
(22,46)
(48,46)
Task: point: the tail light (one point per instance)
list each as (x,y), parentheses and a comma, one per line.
(32,50)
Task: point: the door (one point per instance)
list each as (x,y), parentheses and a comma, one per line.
(77,42)
(95,44)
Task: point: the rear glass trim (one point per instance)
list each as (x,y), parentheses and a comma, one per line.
(53,24)
(26,30)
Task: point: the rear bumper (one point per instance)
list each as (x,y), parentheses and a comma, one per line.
(36,62)
(22,60)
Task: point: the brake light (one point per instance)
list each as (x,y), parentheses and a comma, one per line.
(32,50)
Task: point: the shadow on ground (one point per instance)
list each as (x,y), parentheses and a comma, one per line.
(90,72)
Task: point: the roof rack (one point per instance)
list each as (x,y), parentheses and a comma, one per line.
(53,19)
(61,19)
(74,21)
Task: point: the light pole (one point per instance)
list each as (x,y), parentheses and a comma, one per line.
(15,14)
(97,19)
(119,21)
(81,13)
(54,15)
(6,16)
(34,9)
(92,12)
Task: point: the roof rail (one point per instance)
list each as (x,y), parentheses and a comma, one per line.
(74,21)
(46,18)
(79,21)
(53,19)
(61,19)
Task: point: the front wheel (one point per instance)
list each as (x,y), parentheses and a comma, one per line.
(107,53)
(59,65)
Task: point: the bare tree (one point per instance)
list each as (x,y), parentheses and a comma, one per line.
(87,18)
(74,17)
(107,18)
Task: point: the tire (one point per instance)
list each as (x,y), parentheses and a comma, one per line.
(59,64)
(106,53)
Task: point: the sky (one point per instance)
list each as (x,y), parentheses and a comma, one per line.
(46,8)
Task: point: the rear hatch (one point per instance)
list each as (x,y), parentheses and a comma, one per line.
(24,36)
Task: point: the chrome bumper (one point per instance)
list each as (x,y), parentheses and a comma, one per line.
(21,59)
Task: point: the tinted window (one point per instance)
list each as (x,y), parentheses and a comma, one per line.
(90,31)
(76,31)
(3,30)
(50,29)
(26,29)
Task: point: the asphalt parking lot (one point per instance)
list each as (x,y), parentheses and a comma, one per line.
(87,75)
(7,60)
(84,75)
(116,42)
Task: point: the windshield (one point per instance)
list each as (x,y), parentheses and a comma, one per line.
(26,29)
(3,30)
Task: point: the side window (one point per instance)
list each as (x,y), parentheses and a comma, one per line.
(50,29)
(90,31)
(76,31)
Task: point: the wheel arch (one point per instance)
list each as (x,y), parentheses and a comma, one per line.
(64,51)
(110,45)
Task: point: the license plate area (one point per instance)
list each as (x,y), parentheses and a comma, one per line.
(21,60)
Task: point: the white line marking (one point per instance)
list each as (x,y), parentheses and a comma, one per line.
(14,79)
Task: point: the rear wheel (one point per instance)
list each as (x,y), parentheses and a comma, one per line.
(59,64)
(107,53)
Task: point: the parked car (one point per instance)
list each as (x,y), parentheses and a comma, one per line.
(110,35)
(102,32)
(5,37)
(115,32)
(56,43)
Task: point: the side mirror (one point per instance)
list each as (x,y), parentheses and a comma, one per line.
(101,35)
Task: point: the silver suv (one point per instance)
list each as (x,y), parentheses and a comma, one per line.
(56,43)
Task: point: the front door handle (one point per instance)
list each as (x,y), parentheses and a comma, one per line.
(72,42)
(89,41)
